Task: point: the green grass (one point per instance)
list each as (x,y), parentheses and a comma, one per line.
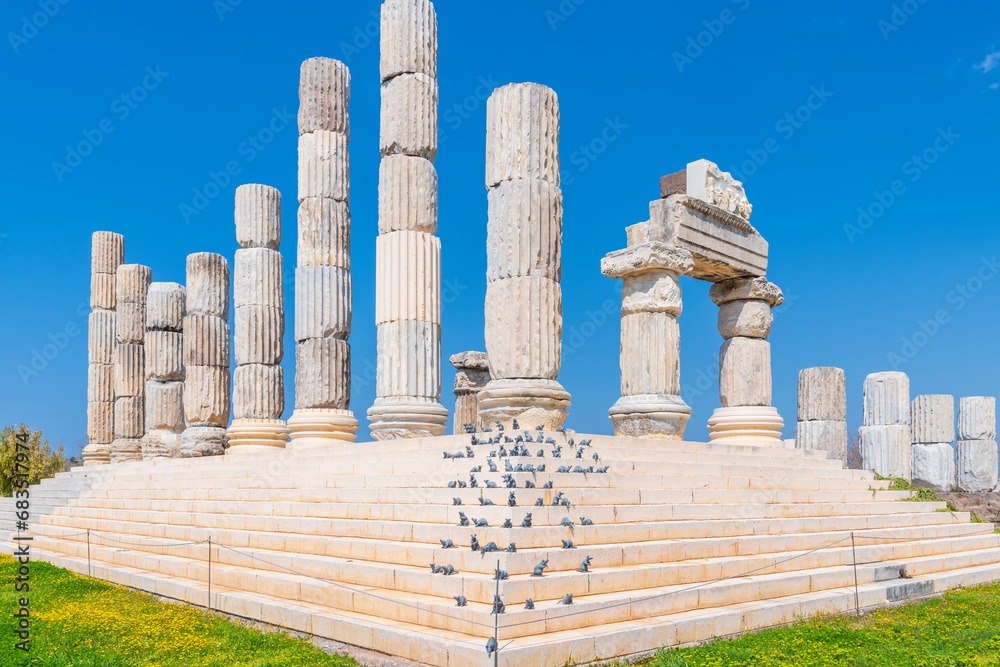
(82,622)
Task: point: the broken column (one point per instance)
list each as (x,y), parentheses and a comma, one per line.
(745,318)
(259,297)
(932,427)
(472,373)
(977,446)
(885,436)
(107,254)
(164,348)
(523,259)
(206,356)
(822,411)
(323,276)
(408,254)
(131,285)
(650,405)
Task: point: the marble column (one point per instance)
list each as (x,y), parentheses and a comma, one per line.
(650,405)
(932,426)
(745,319)
(408,254)
(886,439)
(131,285)
(523,262)
(207,389)
(822,412)
(107,254)
(323,278)
(259,327)
(472,373)
(977,445)
(164,348)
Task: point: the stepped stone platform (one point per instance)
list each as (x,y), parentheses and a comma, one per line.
(688,541)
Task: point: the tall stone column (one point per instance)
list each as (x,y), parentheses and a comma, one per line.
(408,254)
(107,254)
(131,285)
(745,319)
(164,348)
(822,412)
(259,380)
(651,405)
(977,445)
(206,356)
(886,439)
(932,426)
(323,276)
(472,374)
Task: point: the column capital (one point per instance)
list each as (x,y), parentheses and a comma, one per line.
(645,258)
(746,289)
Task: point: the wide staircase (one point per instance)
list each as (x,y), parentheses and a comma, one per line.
(685,541)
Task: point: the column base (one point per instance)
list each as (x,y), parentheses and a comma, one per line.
(319,427)
(123,450)
(403,417)
(652,416)
(96,454)
(161,445)
(747,425)
(250,436)
(531,402)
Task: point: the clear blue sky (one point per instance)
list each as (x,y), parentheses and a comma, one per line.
(625,70)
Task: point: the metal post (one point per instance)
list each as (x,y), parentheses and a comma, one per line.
(496,623)
(89,571)
(857,603)
(210,572)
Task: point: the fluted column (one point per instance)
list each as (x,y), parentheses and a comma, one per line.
(650,405)
(259,299)
(164,348)
(977,446)
(408,254)
(932,426)
(107,254)
(207,388)
(524,263)
(745,319)
(886,438)
(131,285)
(472,373)
(822,412)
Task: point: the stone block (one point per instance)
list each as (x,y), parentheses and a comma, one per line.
(409,267)
(100,383)
(976,465)
(130,322)
(322,374)
(745,375)
(259,335)
(130,417)
(650,354)
(324,166)
(258,392)
(522,134)
(206,341)
(407,195)
(206,396)
(161,445)
(164,352)
(747,319)
(322,302)
(208,285)
(977,418)
(324,96)
(166,305)
(886,449)
(203,441)
(101,341)
(164,406)
(409,116)
(102,291)
(524,232)
(132,282)
(257,278)
(746,289)
(934,467)
(324,233)
(125,449)
(409,43)
(932,419)
(887,399)
(101,421)
(258,216)
(706,182)
(824,436)
(822,394)
(107,252)
(524,328)
(130,369)
(409,359)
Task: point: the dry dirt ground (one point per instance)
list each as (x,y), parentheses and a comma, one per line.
(985,505)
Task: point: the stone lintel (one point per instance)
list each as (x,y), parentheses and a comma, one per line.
(645,258)
(746,289)
(473,361)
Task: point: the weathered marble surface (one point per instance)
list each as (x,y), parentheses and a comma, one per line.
(977,465)
(934,467)
(887,399)
(822,394)
(409,40)
(977,418)
(932,419)
(886,449)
